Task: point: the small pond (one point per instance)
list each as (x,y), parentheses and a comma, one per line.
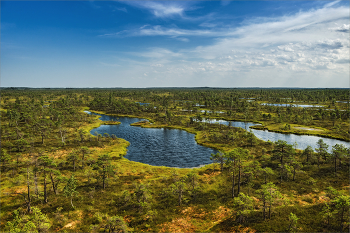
(294,105)
(208,111)
(142,103)
(158,147)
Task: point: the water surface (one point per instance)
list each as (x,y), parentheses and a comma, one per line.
(158,147)
(294,105)
(178,148)
(302,140)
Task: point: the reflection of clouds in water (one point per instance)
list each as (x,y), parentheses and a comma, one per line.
(302,140)
(265,135)
(158,146)
(187,153)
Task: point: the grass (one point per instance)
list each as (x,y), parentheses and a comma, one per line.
(212,211)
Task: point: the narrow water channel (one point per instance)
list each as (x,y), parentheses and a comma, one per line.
(302,140)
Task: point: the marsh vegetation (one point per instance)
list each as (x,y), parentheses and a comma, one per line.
(57,176)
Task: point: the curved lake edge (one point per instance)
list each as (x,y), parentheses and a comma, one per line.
(100,123)
(300,133)
(210,145)
(179,128)
(307,133)
(159,127)
(118,115)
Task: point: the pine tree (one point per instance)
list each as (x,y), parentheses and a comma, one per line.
(70,189)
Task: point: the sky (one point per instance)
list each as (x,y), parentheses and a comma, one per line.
(175,44)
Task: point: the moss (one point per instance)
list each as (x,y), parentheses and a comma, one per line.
(211,212)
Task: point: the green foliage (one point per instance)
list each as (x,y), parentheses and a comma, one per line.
(243,204)
(34,222)
(141,196)
(106,223)
(179,187)
(73,158)
(105,168)
(308,154)
(321,151)
(219,158)
(63,128)
(293,220)
(192,180)
(70,189)
(283,151)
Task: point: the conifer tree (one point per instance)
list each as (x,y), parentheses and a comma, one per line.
(70,189)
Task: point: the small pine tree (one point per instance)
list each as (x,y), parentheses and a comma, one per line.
(244,206)
(293,220)
(69,189)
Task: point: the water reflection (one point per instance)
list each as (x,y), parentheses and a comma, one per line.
(177,148)
(294,105)
(158,147)
(302,140)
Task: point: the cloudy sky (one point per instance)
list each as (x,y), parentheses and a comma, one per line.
(175,43)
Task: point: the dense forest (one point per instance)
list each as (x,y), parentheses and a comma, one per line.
(56,176)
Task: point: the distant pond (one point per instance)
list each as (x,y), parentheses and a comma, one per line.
(294,105)
(157,146)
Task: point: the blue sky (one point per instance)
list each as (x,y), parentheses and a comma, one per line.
(175,43)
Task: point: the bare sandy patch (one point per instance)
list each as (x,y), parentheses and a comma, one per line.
(71,224)
(305,128)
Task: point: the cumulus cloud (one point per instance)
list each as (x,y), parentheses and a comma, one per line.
(344,28)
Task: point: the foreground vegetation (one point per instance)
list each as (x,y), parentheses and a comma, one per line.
(56,176)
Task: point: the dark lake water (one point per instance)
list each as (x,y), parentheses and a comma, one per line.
(158,147)
(178,148)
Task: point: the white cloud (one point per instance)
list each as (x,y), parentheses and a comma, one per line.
(209,25)
(304,49)
(156,53)
(160,9)
(183,39)
(344,28)
(174,32)
(332,3)
(157,65)
(302,26)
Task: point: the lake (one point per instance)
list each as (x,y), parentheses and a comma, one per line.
(178,148)
(157,146)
